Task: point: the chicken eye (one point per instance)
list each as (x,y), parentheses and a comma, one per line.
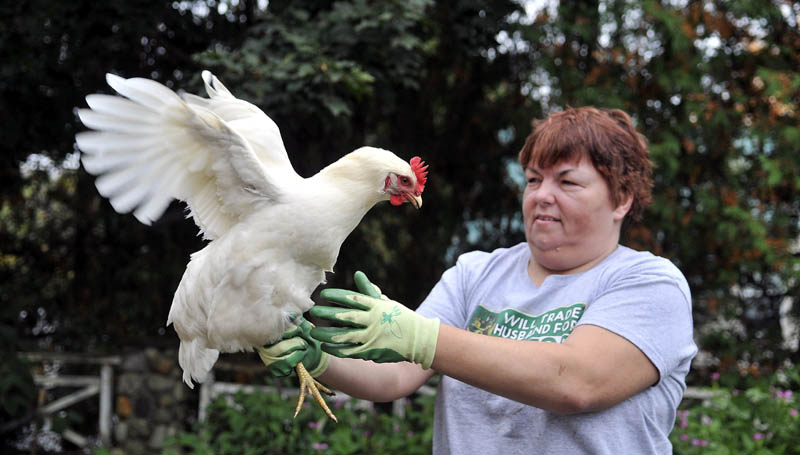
(405,180)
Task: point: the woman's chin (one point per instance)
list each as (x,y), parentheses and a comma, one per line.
(549,257)
(545,246)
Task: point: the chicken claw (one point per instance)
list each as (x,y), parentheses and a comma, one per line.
(312,386)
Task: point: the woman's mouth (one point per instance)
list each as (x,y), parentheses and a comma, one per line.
(546,219)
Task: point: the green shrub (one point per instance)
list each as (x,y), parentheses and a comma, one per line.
(761,419)
(261,424)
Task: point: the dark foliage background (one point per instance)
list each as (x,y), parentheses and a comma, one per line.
(712,84)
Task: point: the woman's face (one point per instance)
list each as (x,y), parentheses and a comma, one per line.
(570,222)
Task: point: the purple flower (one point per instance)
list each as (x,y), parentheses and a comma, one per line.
(314,425)
(319,446)
(793,413)
(758,436)
(699,442)
(684,416)
(715,376)
(684,437)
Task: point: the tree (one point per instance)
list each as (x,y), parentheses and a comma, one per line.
(75,273)
(710,84)
(412,77)
(713,87)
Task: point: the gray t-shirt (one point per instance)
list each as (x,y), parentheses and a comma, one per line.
(639,296)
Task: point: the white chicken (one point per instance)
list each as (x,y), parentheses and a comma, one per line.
(273,234)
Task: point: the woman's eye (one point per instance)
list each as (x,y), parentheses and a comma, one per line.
(533,180)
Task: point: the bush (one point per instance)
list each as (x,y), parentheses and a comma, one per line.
(261,424)
(761,419)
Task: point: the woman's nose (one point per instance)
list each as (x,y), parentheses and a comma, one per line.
(545,193)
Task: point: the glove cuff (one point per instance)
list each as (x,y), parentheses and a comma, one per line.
(322,365)
(425,344)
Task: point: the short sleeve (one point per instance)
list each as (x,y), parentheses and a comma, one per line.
(652,309)
(448,299)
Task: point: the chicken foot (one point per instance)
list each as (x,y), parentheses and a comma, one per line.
(310,385)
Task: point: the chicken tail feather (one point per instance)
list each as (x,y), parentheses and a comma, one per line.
(196,360)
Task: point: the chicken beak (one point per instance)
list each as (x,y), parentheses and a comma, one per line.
(416,201)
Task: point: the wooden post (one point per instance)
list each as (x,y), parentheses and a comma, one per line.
(399,408)
(205,396)
(106,381)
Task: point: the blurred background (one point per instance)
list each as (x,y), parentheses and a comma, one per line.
(713,85)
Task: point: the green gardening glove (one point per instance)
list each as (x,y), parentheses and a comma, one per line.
(372,327)
(294,347)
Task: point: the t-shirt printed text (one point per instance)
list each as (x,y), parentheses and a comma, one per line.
(554,325)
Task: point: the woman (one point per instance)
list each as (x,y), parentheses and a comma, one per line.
(567,343)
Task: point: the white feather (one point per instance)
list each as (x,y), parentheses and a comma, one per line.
(273,234)
(114,105)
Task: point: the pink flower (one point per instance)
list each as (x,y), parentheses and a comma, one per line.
(319,446)
(684,416)
(699,442)
(684,437)
(758,436)
(715,376)
(314,425)
(793,413)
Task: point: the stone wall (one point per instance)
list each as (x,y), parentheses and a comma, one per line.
(151,402)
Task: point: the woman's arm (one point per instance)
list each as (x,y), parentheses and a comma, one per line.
(372,381)
(592,370)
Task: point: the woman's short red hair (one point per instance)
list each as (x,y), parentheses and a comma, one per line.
(608,139)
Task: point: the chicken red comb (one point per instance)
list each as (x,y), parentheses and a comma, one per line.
(420,171)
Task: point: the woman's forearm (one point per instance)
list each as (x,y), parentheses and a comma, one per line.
(592,370)
(379,382)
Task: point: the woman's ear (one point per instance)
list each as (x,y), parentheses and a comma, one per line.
(623,208)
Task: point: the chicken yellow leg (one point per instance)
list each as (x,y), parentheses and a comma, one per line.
(312,386)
